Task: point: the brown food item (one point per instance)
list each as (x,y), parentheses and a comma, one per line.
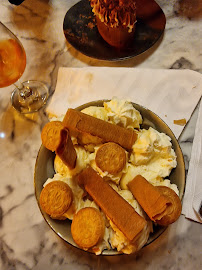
(148,197)
(121,213)
(65,149)
(80,124)
(85,138)
(115,20)
(50,135)
(180,122)
(174,209)
(55,199)
(115,36)
(152,199)
(87,227)
(111,157)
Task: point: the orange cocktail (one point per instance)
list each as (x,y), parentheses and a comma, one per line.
(12,61)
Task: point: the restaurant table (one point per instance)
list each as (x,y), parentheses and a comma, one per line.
(26,241)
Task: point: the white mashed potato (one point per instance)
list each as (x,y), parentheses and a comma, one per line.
(152,157)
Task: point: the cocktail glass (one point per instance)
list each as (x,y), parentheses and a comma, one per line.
(29,96)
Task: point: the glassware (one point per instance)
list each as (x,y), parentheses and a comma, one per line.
(29,96)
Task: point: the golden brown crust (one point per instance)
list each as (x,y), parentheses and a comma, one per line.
(50,134)
(174,209)
(87,227)
(80,123)
(121,213)
(111,157)
(55,199)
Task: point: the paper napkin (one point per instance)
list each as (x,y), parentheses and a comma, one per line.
(193,192)
(171,94)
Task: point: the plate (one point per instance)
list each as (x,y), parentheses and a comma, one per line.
(44,169)
(81,32)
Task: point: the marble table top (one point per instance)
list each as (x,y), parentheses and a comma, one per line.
(26,241)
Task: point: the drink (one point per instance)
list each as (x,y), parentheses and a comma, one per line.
(12,61)
(29,96)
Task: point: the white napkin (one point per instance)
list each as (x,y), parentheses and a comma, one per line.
(193,192)
(171,94)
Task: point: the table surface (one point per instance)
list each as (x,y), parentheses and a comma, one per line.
(26,241)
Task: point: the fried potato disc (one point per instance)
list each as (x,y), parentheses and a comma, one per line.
(87,227)
(50,135)
(56,198)
(111,157)
(173,210)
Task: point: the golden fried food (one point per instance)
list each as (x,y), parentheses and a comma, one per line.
(55,199)
(121,213)
(80,123)
(161,204)
(65,149)
(50,134)
(111,157)
(173,210)
(87,227)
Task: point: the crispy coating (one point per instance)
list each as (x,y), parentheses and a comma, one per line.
(87,227)
(55,199)
(111,157)
(174,209)
(50,134)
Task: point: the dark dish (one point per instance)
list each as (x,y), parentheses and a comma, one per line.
(81,32)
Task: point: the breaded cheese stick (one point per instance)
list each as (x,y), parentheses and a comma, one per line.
(81,123)
(121,213)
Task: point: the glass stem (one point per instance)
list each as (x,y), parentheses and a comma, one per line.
(24,92)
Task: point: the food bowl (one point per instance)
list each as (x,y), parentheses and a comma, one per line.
(44,169)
